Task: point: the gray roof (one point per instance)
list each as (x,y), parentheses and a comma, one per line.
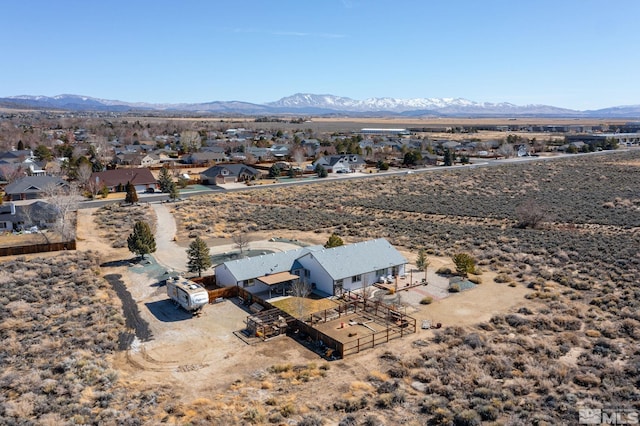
(359,258)
(33,184)
(253,267)
(233,169)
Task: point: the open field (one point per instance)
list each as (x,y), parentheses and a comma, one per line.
(553,326)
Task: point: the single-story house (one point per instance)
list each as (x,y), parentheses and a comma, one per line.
(353,266)
(329,271)
(258,274)
(226,173)
(205,158)
(32,187)
(345,163)
(16,218)
(116,180)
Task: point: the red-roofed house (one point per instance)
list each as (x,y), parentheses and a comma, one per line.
(116,180)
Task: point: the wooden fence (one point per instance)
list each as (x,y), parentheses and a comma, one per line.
(37,248)
(396,324)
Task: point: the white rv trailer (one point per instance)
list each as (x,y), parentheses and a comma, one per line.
(191,296)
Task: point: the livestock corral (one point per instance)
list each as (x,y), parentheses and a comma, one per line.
(354,326)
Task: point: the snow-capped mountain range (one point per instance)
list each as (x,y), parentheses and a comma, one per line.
(306,103)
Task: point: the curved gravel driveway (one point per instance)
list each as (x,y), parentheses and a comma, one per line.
(173,256)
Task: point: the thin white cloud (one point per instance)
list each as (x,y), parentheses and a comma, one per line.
(301,34)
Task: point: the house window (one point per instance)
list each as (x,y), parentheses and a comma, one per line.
(338,285)
(381,272)
(356,278)
(249,283)
(307,273)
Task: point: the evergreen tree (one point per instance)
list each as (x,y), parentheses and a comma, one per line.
(334,241)
(165,180)
(199,258)
(43,153)
(465,264)
(141,241)
(132,195)
(274,171)
(174,194)
(321,171)
(448,157)
(422,262)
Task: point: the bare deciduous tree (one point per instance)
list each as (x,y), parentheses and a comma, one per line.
(65,201)
(84,174)
(531,215)
(506,150)
(190,141)
(298,156)
(241,241)
(300,289)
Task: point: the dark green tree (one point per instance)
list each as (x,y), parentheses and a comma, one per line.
(43,153)
(20,146)
(422,262)
(274,171)
(165,180)
(465,264)
(198,254)
(141,241)
(174,194)
(334,241)
(411,158)
(321,171)
(448,157)
(132,195)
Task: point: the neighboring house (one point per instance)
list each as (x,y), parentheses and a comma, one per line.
(344,163)
(328,271)
(17,156)
(227,173)
(17,218)
(32,187)
(280,151)
(116,180)
(205,158)
(149,160)
(259,153)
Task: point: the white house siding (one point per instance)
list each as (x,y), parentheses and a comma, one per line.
(317,275)
(224,277)
(325,283)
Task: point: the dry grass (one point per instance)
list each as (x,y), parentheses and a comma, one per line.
(299,307)
(574,341)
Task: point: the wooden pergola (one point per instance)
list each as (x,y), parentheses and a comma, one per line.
(269,323)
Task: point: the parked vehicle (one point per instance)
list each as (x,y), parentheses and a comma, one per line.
(188,294)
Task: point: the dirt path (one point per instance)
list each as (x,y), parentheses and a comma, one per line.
(202,356)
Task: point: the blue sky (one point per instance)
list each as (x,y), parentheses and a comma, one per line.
(581,54)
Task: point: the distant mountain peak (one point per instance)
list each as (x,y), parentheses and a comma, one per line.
(309,103)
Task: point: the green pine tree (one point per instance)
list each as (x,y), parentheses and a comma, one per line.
(422,262)
(334,241)
(174,194)
(199,258)
(165,180)
(465,264)
(141,241)
(132,195)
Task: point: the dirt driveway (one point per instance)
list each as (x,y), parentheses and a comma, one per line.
(202,356)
